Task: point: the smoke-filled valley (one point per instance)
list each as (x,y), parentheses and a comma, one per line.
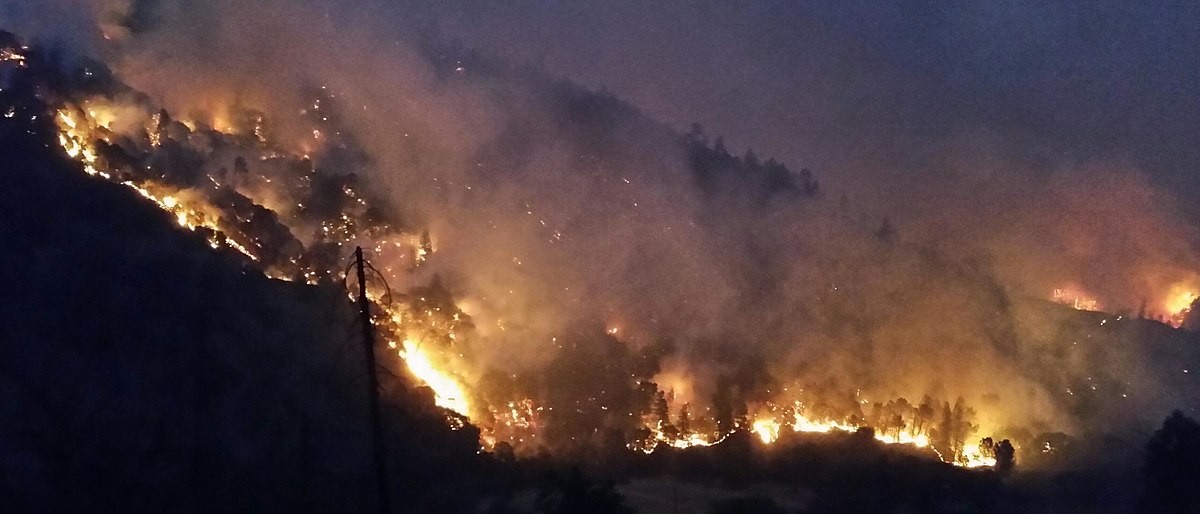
(556,280)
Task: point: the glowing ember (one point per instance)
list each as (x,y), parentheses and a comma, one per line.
(8,55)
(693,440)
(680,441)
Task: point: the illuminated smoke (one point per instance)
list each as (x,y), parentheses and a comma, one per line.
(289,134)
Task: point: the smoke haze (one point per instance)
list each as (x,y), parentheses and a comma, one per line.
(915,268)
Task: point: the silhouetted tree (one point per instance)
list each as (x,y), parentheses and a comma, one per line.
(719,147)
(896,425)
(751,159)
(897,411)
(662,412)
(923,416)
(1172,465)
(723,406)
(943,435)
(987,447)
(877,420)
(961,428)
(1006,458)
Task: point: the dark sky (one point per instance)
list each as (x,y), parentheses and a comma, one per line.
(853,89)
(858,86)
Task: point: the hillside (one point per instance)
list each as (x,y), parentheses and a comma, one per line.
(587,288)
(143,370)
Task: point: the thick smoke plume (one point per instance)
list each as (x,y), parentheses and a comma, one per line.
(562,219)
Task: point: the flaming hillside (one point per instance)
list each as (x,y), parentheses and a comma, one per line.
(565,278)
(314,217)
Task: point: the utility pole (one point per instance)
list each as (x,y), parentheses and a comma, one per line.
(368,331)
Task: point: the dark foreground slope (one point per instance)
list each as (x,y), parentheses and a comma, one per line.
(140,370)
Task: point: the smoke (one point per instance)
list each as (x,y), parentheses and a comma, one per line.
(552,208)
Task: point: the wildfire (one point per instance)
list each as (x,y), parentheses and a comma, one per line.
(448,392)
(974,457)
(690,440)
(1179,304)
(79,132)
(9,55)
(774,421)
(1075,298)
(78,140)
(659,435)
(767,430)
(81,128)
(197,208)
(803,424)
(1172,309)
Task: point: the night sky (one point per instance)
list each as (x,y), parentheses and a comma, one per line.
(855,86)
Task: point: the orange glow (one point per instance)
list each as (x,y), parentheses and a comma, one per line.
(1178,304)
(767,430)
(426,340)
(1076,298)
(448,392)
